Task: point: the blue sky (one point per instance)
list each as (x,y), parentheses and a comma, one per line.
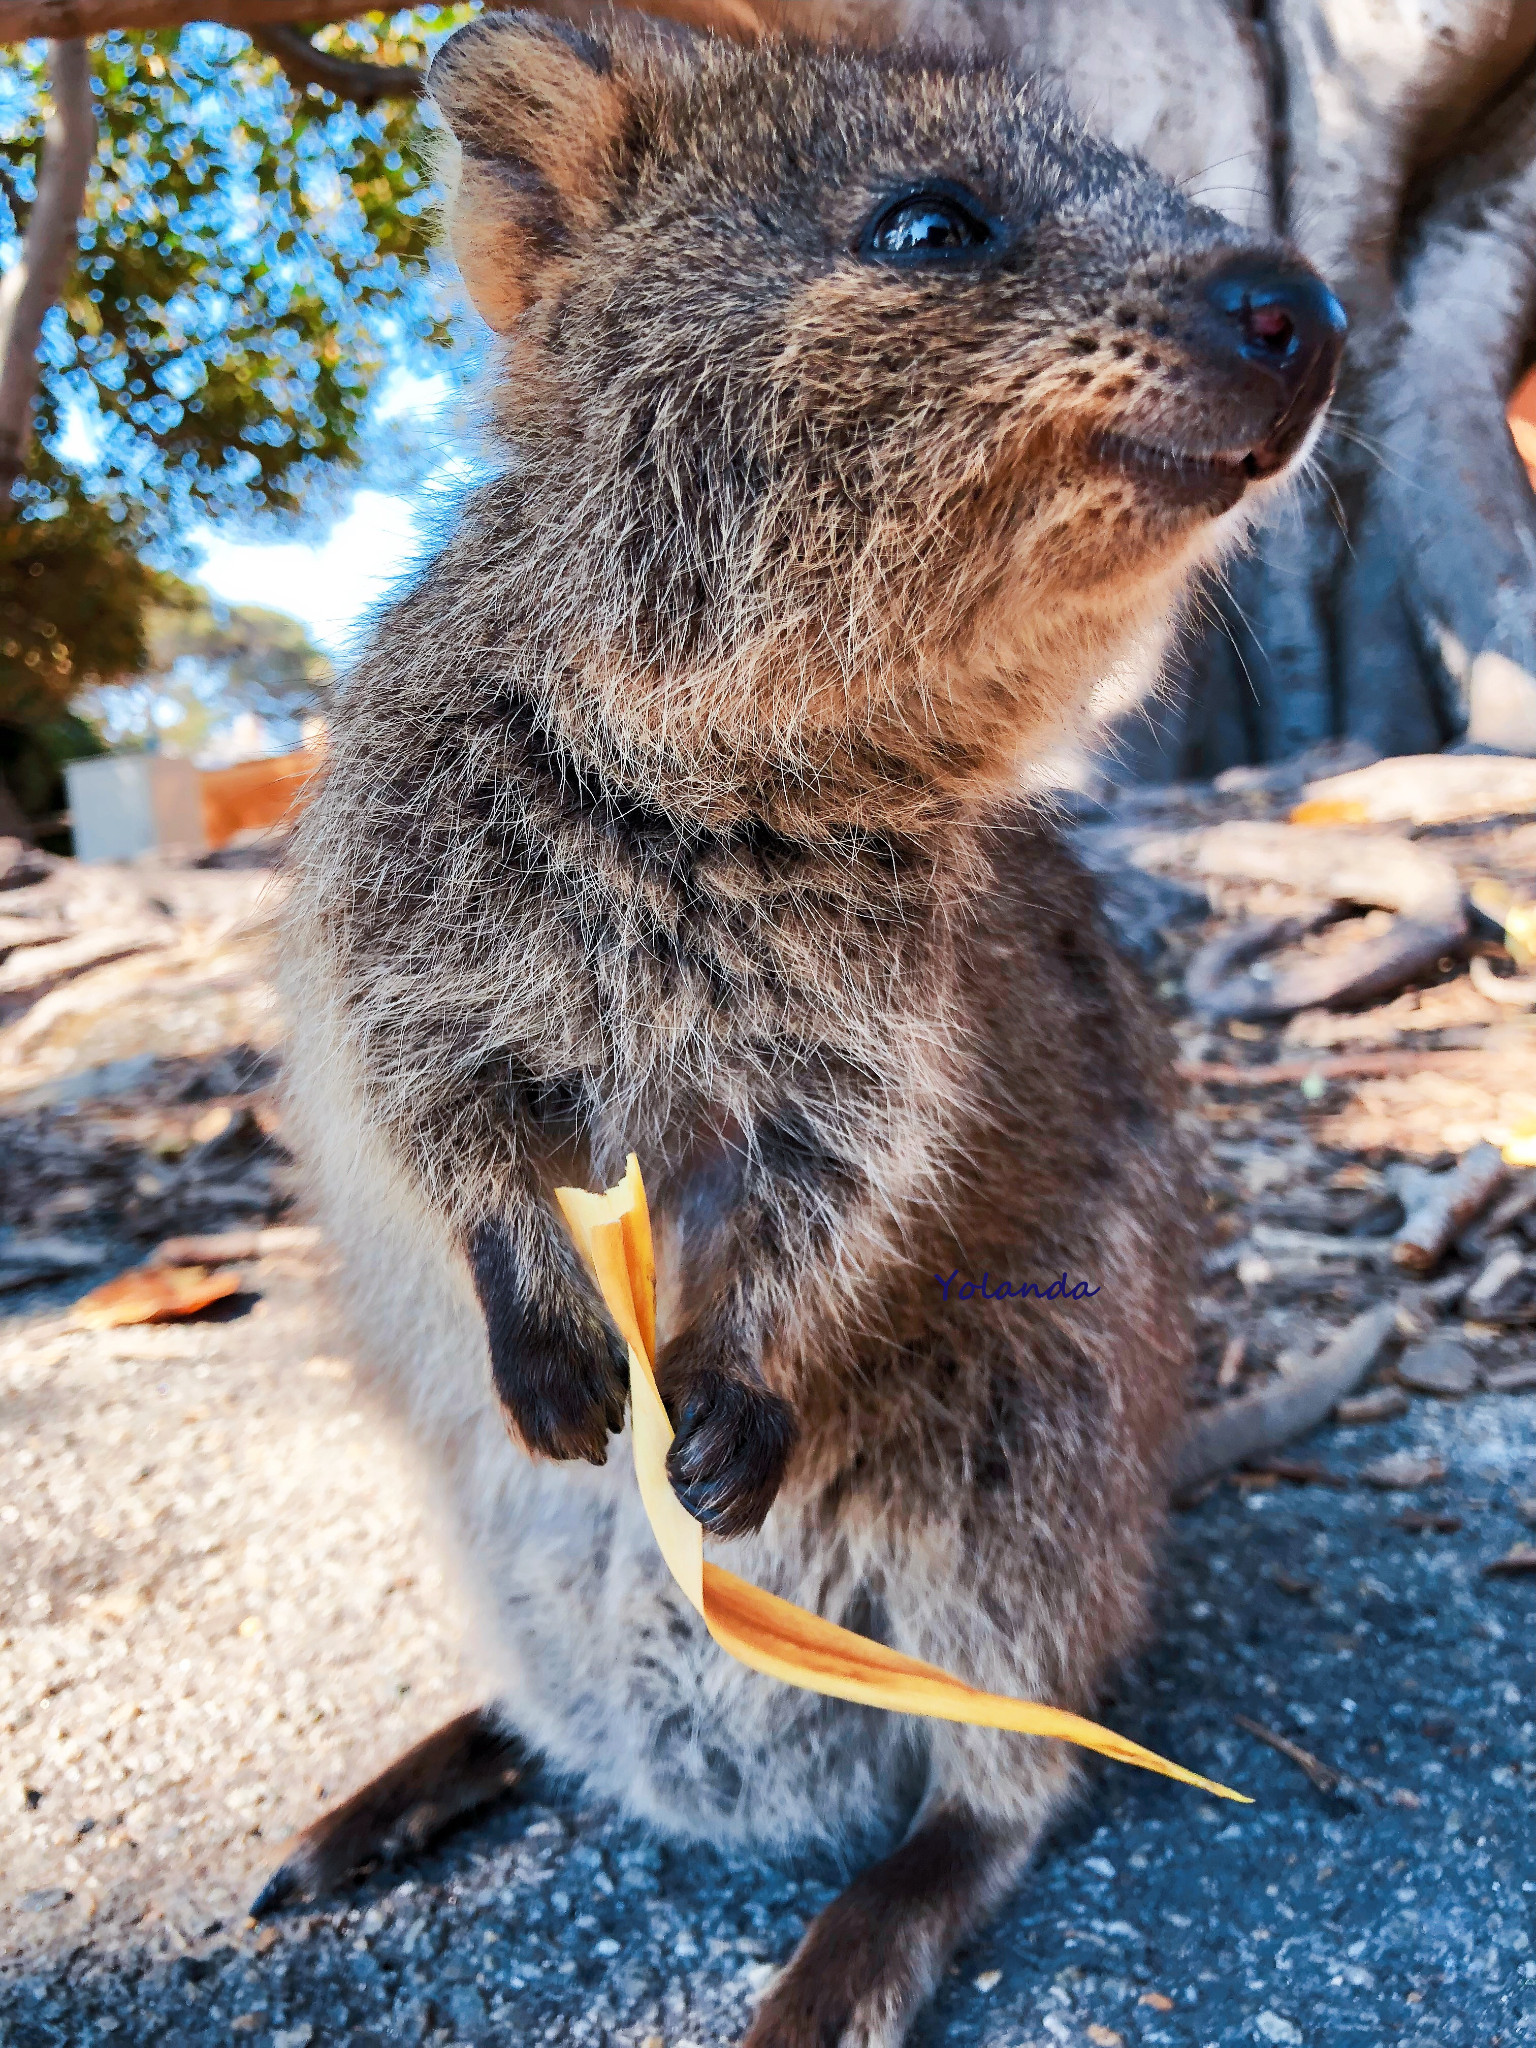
(329,582)
(332,578)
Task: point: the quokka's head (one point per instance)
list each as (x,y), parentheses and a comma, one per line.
(848,386)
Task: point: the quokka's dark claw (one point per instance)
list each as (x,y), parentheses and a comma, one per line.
(285,1883)
(728,1457)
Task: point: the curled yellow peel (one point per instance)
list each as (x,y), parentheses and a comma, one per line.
(612,1232)
(1520,934)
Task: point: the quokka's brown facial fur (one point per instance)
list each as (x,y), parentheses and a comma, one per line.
(670,810)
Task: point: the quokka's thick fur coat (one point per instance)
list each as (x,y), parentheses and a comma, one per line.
(670,810)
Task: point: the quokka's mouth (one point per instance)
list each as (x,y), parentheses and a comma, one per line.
(1211,481)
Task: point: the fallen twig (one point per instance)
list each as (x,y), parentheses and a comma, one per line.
(1504,1292)
(1512,1379)
(1352,1066)
(35,966)
(1230,1371)
(1512,1206)
(228,1247)
(1381,1404)
(1402,1471)
(1297,1589)
(1300,1472)
(1350,868)
(1279,1238)
(33,931)
(1259,1423)
(1334,1784)
(1453,1201)
(1217,968)
(1516,1562)
(1421,789)
(1517,990)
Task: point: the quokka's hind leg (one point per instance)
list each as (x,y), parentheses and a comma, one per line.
(869,1961)
(466,1763)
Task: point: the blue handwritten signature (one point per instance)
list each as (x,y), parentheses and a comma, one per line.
(1058,1290)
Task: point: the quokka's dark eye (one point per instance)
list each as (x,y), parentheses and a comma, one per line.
(936,224)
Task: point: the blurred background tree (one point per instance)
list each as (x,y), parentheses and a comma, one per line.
(207,665)
(214,267)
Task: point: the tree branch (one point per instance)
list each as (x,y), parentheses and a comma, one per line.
(744,20)
(349,77)
(21,20)
(35,279)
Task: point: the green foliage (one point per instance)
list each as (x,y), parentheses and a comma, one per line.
(253,260)
(73,596)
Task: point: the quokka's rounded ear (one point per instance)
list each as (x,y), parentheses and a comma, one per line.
(538,116)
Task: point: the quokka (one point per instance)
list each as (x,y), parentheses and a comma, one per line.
(860,416)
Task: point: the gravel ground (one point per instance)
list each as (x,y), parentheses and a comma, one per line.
(224,1611)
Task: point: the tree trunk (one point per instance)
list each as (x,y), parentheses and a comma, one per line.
(34,282)
(35,279)
(1396,604)
(13,819)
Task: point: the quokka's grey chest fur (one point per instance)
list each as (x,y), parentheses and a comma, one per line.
(607,1672)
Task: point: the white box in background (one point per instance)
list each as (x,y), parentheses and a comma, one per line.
(121,805)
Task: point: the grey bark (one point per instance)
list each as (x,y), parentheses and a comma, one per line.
(13,823)
(349,78)
(35,279)
(1453,505)
(1397,603)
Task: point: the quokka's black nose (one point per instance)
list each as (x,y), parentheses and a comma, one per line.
(1283,321)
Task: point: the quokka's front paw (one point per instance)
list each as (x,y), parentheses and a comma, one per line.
(733,1441)
(562,1377)
(566,1400)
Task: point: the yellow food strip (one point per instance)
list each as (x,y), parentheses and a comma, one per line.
(1520,934)
(1331,810)
(613,1234)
